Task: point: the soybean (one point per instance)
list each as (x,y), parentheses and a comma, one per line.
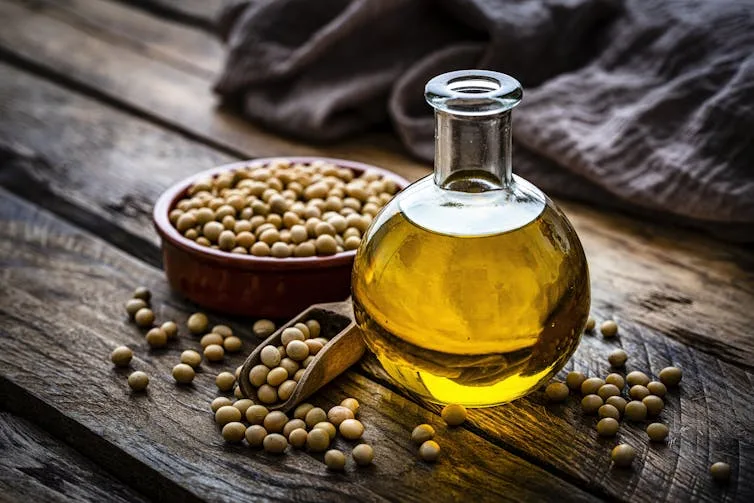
(608,410)
(183,374)
(138,381)
(225,381)
(422,433)
(274,443)
(657,388)
(255,414)
(617,358)
(618,402)
(293,424)
(220,401)
(297,438)
(258,375)
(338,414)
(363,454)
(574,380)
(170,329)
(234,431)
(350,403)
(623,455)
(616,380)
(121,356)
(243,405)
(263,328)
(255,435)
(232,344)
(134,305)
(335,460)
(352,429)
(607,427)
(314,416)
(609,328)
(191,357)
(214,353)
(671,376)
(227,414)
(657,432)
(591,386)
(453,414)
(636,377)
(275,421)
(654,405)
(142,293)
(429,451)
(197,323)
(301,411)
(144,317)
(638,392)
(591,403)
(270,356)
(556,392)
(317,440)
(720,471)
(211,338)
(635,411)
(607,390)
(328,427)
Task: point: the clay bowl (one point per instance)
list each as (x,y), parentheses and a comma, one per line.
(248,285)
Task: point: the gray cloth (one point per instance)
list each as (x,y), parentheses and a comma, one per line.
(640,104)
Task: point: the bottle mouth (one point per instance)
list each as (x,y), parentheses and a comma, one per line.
(473,92)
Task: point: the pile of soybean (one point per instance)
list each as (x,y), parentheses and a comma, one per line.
(283,209)
(633,398)
(309,427)
(276,378)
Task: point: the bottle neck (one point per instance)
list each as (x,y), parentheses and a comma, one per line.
(473,153)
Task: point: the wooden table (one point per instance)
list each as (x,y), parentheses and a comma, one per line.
(103,104)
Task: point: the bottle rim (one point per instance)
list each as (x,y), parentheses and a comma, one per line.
(473,92)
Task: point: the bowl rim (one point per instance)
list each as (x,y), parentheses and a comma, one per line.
(168,233)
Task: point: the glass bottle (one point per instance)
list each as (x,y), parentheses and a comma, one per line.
(471,286)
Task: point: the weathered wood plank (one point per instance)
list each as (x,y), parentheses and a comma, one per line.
(189,49)
(708,417)
(183,101)
(61,313)
(526,426)
(113,148)
(694,289)
(195,12)
(37,467)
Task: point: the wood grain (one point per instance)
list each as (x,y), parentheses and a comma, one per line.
(91,57)
(200,13)
(688,287)
(707,416)
(61,313)
(37,467)
(692,288)
(191,50)
(528,427)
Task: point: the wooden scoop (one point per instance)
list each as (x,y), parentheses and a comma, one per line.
(346,347)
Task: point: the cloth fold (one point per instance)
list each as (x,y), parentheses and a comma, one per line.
(646,105)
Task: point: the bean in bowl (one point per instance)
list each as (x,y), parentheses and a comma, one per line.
(282,209)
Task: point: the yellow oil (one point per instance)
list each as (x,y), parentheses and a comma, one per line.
(475,320)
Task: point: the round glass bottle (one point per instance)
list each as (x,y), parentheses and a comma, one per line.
(471,286)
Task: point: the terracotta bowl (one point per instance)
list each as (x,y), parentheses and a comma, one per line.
(244,284)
